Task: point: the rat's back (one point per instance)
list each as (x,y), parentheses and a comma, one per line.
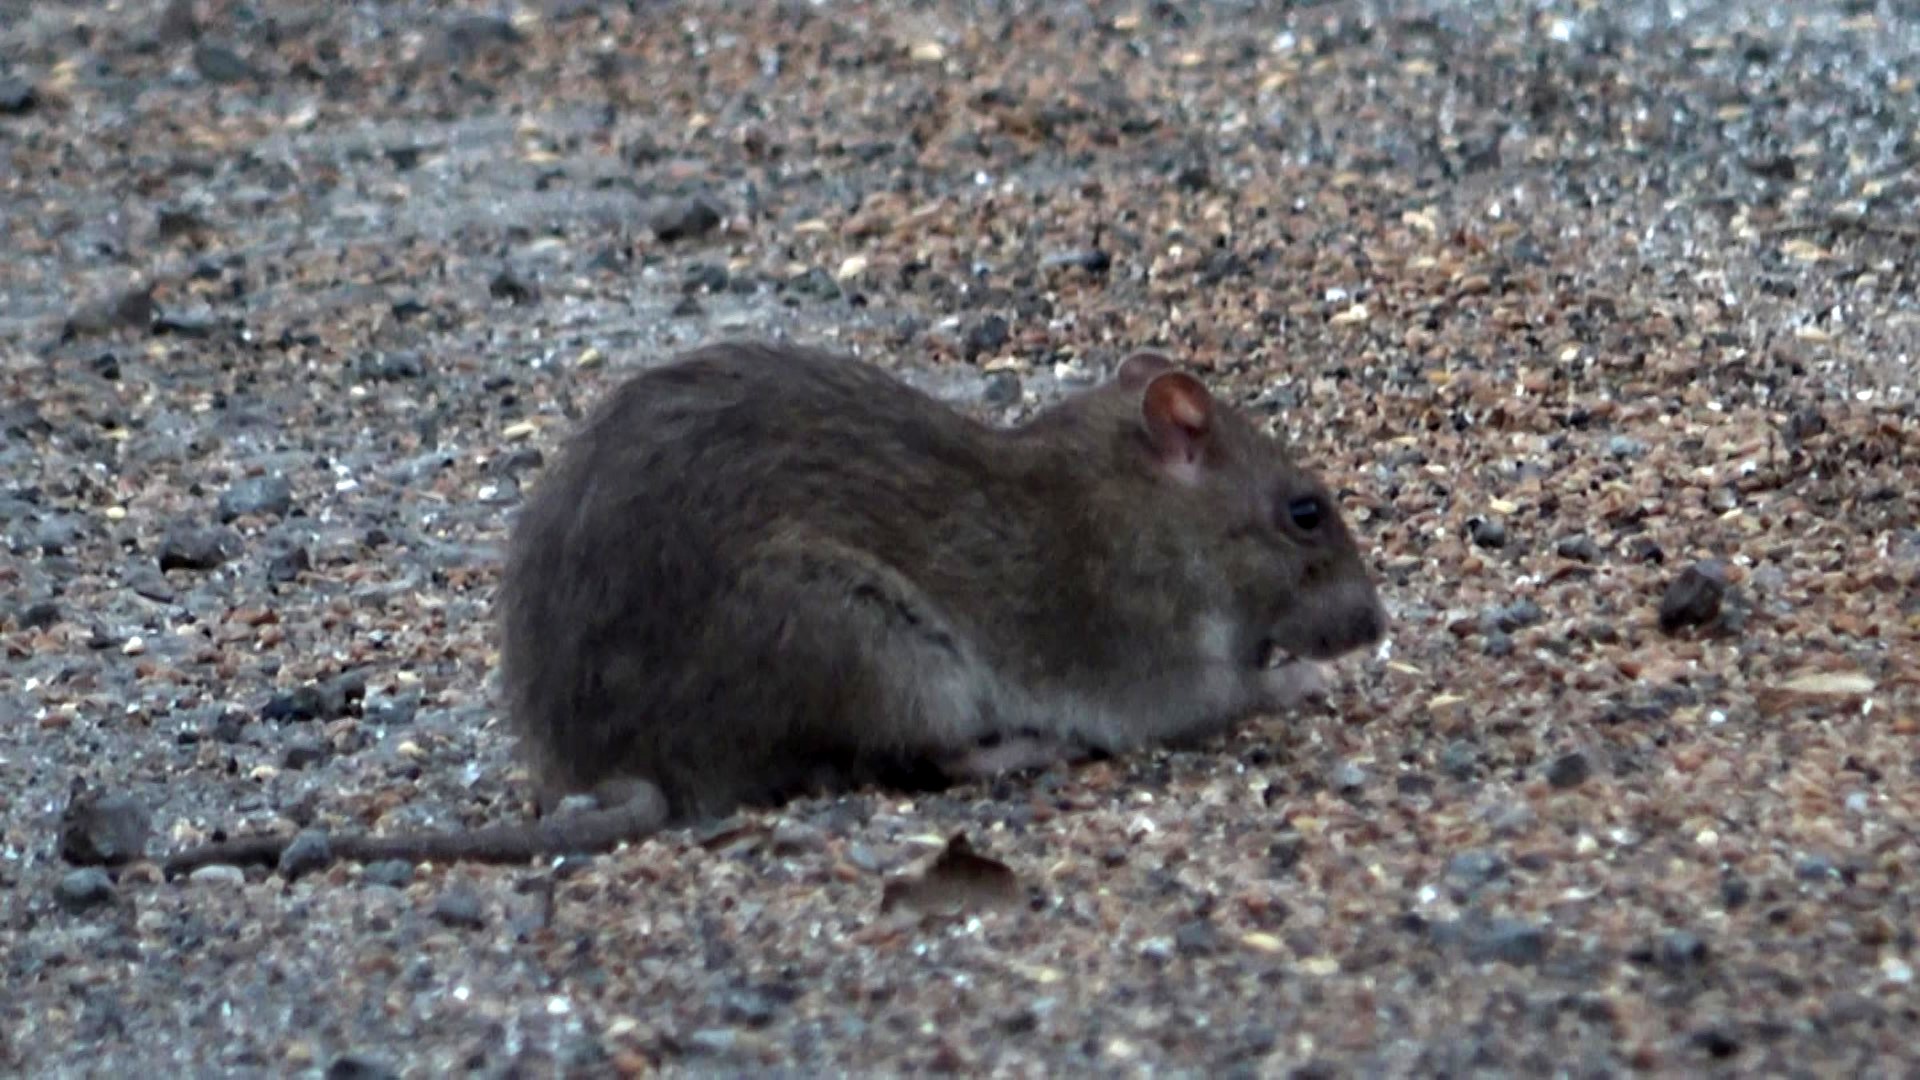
(649,514)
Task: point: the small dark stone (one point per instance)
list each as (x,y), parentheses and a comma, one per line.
(38,616)
(1498,644)
(194,547)
(262,496)
(1460,759)
(1570,769)
(508,286)
(390,366)
(394,873)
(230,727)
(1694,598)
(174,223)
(201,323)
(684,219)
(686,308)
(1624,447)
(704,277)
(1734,891)
(1579,546)
(459,906)
(1197,937)
(751,1006)
(301,753)
(131,309)
(404,159)
(393,712)
(1717,1042)
(84,888)
(107,366)
(1515,616)
(471,35)
(1680,950)
(219,64)
(305,853)
(150,583)
(359,1067)
(1469,870)
(1488,532)
(1002,389)
(17,96)
(1814,868)
(288,564)
(987,334)
(816,283)
(103,830)
(1508,941)
(317,701)
(1092,260)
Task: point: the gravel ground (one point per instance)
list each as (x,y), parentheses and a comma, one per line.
(1602,317)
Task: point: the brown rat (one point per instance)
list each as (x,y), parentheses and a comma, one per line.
(764,570)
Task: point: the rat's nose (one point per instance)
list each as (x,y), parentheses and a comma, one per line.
(1354,619)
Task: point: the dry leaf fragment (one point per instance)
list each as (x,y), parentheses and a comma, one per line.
(957,880)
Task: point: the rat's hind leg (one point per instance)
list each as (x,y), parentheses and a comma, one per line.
(840,661)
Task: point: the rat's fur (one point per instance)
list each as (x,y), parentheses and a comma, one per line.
(761,570)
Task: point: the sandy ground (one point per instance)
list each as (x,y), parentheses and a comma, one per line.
(1587,309)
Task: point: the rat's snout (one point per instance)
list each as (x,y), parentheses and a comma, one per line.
(1346,617)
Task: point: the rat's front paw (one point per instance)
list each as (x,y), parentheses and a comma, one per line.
(1009,753)
(1292,684)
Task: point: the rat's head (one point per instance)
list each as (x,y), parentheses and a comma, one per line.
(1238,516)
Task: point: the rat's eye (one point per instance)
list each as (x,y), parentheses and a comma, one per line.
(1306,512)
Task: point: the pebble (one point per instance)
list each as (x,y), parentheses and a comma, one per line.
(815,283)
(307,852)
(390,366)
(1470,870)
(1348,776)
(147,581)
(1694,597)
(987,334)
(17,96)
(301,753)
(459,905)
(1092,260)
(685,219)
(220,64)
(393,873)
(359,1067)
(1570,769)
(128,309)
(81,889)
(326,700)
(1460,759)
(1197,937)
(1507,940)
(1680,950)
(511,287)
(288,564)
(1515,616)
(1002,389)
(218,874)
(1624,447)
(1488,532)
(104,830)
(194,547)
(38,615)
(263,496)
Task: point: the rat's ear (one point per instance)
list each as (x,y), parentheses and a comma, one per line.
(1142,365)
(1178,413)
